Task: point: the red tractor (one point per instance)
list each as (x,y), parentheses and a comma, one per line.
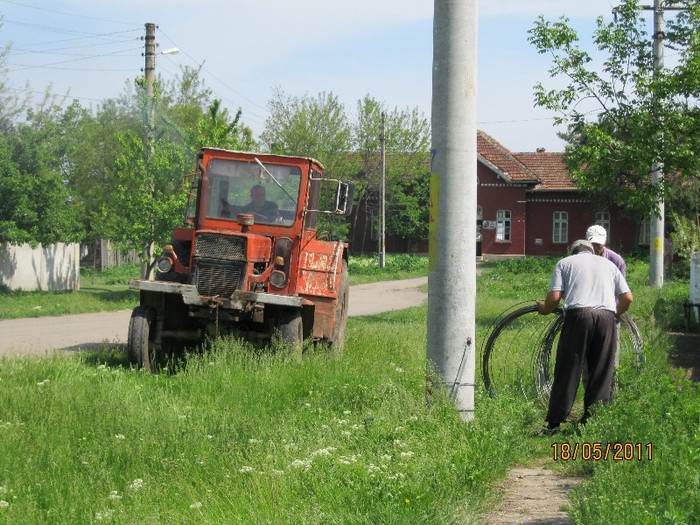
(250,260)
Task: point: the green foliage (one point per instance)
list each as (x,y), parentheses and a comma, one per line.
(622,114)
(685,236)
(37,206)
(662,415)
(365,268)
(307,126)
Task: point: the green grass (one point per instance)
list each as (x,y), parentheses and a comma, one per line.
(237,436)
(240,435)
(99,292)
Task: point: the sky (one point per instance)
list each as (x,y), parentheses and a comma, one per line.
(91,50)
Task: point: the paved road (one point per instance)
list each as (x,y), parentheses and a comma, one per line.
(44,335)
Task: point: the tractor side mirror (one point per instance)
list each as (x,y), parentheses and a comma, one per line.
(344,198)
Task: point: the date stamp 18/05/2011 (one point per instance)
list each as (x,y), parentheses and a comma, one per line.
(617,451)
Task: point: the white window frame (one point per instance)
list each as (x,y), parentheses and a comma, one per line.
(602,218)
(503,225)
(645,231)
(560,227)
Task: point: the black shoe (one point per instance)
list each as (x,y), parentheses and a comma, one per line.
(548,431)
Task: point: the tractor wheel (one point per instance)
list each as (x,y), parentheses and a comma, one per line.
(291,328)
(341,313)
(141,349)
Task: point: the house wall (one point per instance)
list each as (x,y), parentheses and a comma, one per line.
(493,194)
(540,210)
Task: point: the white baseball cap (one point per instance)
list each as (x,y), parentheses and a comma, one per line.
(596,234)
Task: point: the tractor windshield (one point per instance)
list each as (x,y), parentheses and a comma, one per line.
(268,191)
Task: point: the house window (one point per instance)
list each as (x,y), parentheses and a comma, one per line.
(645,231)
(503,225)
(560,227)
(602,218)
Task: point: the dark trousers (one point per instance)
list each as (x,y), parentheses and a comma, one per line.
(591,334)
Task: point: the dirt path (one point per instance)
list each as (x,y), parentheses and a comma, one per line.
(532,496)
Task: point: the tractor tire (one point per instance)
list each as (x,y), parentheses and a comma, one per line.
(341,313)
(291,328)
(141,350)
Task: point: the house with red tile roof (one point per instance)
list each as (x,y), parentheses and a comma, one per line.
(528,204)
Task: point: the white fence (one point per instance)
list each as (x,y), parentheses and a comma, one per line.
(50,268)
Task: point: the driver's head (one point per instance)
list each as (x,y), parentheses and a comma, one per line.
(257,195)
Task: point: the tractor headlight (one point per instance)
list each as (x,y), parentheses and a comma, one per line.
(278,279)
(164,264)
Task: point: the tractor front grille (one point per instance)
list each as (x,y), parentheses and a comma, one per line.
(214,277)
(215,246)
(219,263)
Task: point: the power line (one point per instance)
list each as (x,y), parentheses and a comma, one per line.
(55,11)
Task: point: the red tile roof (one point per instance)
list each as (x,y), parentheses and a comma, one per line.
(547,171)
(509,167)
(550,170)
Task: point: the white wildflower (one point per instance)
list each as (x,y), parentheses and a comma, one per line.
(119,436)
(42,383)
(385,457)
(245,469)
(136,484)
(301,464)
(276,472)
(4,504)
(407,454)
(372,468)
(399,370)
(196,505)
(182,416)
(346,412)
(254,441)
(105,515)
(114,495)
(323,452)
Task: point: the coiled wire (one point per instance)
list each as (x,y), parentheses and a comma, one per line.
(519,351)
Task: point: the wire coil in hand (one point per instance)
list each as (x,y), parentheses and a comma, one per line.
(518,352)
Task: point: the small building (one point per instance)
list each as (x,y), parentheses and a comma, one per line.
(527,204)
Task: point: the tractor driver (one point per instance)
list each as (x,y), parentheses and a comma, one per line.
(260,206)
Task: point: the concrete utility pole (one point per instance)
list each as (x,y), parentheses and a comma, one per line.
(452,229)
(382,198)
(149,71)
(656,234)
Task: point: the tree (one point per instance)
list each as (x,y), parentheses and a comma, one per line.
(37,203)
(622,116)
(309,127)
(407,141)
